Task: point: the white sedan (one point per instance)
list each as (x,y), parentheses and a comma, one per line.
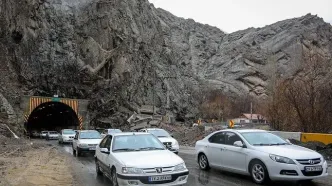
(260,154)
(138,159)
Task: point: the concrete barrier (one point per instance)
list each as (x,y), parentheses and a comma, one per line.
(288,135)
(324,138)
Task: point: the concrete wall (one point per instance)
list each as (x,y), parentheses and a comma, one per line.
(288,135)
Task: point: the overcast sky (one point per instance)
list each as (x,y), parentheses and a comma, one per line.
(234,15)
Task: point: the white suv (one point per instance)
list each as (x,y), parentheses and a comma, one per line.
(169,142)
(85,141)
(138,159)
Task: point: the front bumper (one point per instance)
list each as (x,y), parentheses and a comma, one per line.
(67,140)
(177,179)
(86,149)
(278,171)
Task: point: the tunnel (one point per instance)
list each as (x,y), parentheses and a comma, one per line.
(52,116)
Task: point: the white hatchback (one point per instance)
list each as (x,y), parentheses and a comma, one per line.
(138,159)
(260,154)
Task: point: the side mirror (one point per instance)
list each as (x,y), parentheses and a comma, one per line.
(105,150)
(238,144)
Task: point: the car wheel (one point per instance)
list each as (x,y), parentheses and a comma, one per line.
(114,178)
(259,173)
(203,162)
(98,169)
(78,153)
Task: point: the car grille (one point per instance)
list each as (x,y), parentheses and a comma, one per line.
(92,145)
(153,170)
(309,161)
(317,173)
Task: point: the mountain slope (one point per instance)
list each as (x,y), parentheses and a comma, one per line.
(119,52)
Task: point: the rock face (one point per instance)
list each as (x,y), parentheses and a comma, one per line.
(123,53)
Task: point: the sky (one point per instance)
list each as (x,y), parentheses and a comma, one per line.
(234,15)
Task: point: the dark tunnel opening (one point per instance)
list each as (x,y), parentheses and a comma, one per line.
(52,116)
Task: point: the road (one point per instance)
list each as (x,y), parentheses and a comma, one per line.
(85,174)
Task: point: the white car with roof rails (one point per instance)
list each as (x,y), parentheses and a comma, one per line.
(85,141)
(260,154)
(136,158)
(168,140)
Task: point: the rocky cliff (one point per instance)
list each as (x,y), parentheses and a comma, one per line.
(118,53)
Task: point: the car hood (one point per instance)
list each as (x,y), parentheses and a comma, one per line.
(167,139)
(90,141)
(148,159)
(290,151)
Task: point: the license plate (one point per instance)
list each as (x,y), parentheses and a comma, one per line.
(313,169)
(92,148)
(160,178)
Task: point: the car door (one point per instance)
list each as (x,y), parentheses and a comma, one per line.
(215,149)
(103,157)
(99,155)
(234,157)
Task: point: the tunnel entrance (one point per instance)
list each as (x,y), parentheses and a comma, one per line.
(52,116)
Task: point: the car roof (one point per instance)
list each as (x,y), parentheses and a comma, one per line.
(154,129)
(87,131)
(130,133)
(242,130)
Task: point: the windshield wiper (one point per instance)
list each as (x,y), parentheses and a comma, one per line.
(280,144)
(126,149)
(262,144)
(151,148)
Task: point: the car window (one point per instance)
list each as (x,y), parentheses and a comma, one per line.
(263,138)
(108,142)
(136,143)
(218,138)
(90,135)
(231,138)
(103,142)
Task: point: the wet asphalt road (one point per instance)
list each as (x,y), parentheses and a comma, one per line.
(84,172)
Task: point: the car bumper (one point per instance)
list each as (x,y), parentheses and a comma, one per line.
(280,171)
(177,179)
(66,140)
(88,149)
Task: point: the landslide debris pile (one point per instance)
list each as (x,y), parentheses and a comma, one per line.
(325,150)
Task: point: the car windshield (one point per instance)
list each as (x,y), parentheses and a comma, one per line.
(44,132)
(53,132)
(114,131)
(90,135)
(136,143)
(263,138)
(68,132)
(159,133)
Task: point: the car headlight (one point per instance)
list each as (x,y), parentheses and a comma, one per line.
(131,170)
(83,145)
(281,159)
(180,167)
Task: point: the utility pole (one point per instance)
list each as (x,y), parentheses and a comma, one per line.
(251,111)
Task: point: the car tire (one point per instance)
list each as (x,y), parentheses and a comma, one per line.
(203,162)
(98,171)
(114,177)
(258,172)
(74,152)
(78,153)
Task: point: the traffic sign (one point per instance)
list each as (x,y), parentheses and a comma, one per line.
(231,123)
